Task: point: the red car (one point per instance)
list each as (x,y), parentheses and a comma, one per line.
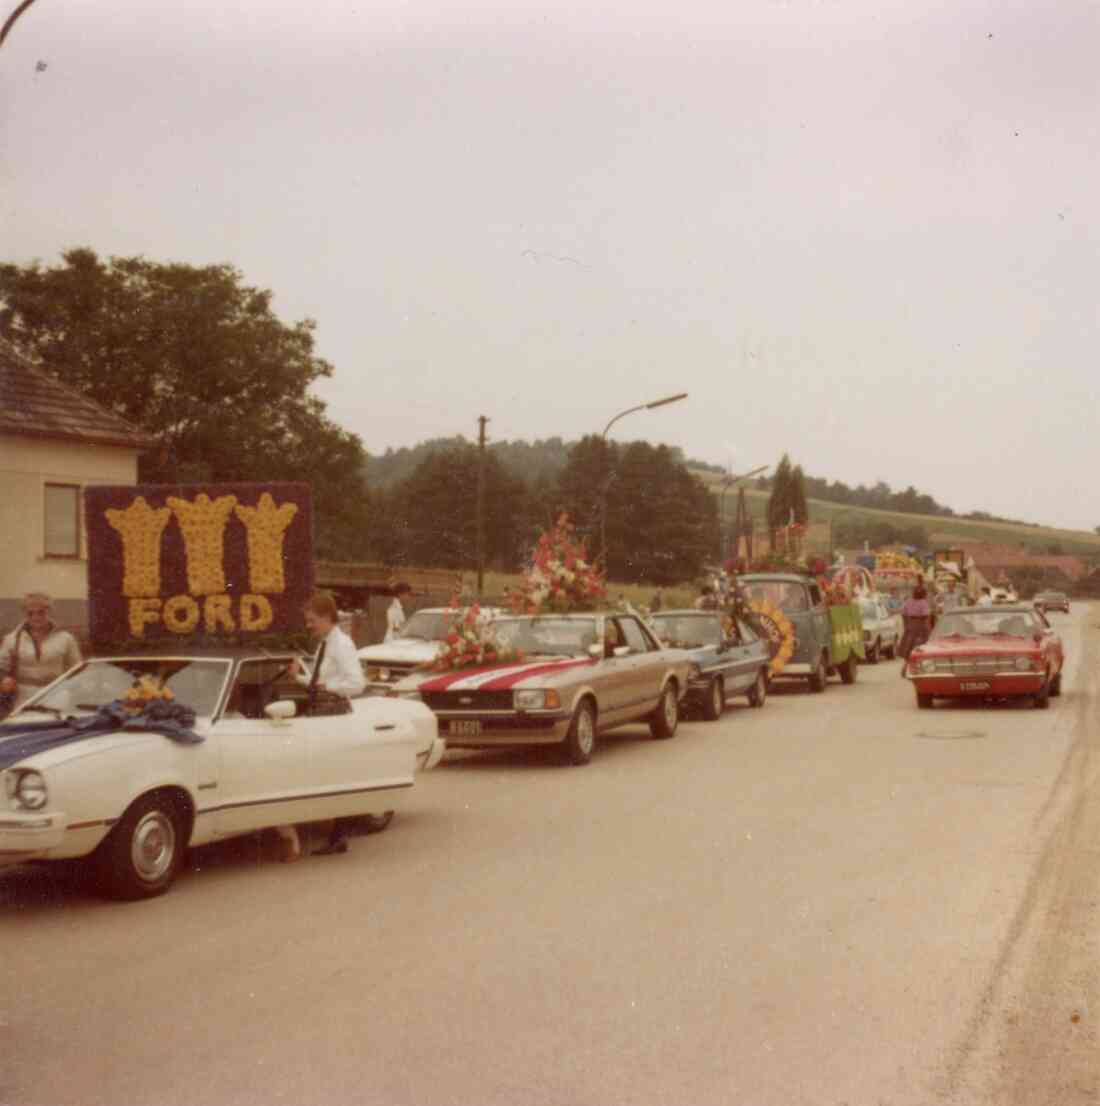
(988,653)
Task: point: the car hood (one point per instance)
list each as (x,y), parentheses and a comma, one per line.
(969,646)
(401,652)
(92,746)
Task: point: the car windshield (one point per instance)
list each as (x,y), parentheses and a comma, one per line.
(974,623)
(550,636)
(195,683)
(428,625)
(688,631)
(786,595)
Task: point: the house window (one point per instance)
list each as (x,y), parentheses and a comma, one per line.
(62,520)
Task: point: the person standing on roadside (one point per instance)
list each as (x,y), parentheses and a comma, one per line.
(395,613)
(36,652)
(917,614)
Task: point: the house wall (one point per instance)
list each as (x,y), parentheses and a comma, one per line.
(26,466)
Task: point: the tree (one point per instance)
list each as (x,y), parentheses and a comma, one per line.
(430,518)
(780,500)
(200,361)
(799,508)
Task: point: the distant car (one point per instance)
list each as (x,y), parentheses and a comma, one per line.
(418,644)
(132,800)
(1052,601)
(881,629)
(989,653)
(728,658)
(581,675)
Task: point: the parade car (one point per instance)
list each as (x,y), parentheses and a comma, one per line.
(80,781)
(581,675)
(988,653)
(1052,601)
(881,628)
(814,640)
(418,644)
(728,657)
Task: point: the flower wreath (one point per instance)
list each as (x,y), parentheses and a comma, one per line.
(779,632)
(560,577)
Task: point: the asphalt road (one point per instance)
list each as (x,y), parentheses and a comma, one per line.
(835,900)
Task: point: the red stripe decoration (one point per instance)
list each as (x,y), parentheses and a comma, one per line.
(503,683)
(442,683)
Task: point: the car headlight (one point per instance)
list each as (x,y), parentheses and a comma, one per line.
(532,699)
(30,790)
(928,665)
(1024,664)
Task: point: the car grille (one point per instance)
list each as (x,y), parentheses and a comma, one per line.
(468,700)
(973,666)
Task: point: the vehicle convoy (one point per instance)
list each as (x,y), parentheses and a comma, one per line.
(810,639)
(728,658)
(1052,601)
(130,795)
(988,653)
(582,674)
(881,628)
(419,643)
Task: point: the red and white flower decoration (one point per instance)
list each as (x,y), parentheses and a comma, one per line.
(471,643)
(561,577)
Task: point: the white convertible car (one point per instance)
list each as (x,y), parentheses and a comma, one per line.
(132,801)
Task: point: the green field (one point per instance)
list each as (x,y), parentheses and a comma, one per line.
(941,531)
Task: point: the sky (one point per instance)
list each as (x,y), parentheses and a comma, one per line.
(861,231)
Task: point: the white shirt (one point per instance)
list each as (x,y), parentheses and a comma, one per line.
(395,620)
(985,601)
(341,673)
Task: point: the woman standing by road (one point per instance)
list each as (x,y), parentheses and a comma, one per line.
(917,614)
(35,653)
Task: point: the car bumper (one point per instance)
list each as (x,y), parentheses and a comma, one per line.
(488,731)
(29,836)
(797,669)
(995,686)
(431,756)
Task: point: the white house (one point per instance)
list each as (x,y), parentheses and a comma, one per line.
(53,443)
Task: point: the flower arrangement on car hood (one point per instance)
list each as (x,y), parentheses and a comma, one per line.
(560,578)
(471,643)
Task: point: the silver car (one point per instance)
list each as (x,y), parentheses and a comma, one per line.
(579,676)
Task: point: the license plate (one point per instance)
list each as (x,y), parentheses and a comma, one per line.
(975,685)
(461,727)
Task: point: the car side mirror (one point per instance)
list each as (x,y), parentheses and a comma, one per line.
(622,650)
(595,651)
(282,710)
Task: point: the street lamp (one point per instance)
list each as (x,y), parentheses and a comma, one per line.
(727,483)
(607,483)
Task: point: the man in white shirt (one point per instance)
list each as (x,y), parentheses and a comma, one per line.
(336,670)
(985,599)
(395,613)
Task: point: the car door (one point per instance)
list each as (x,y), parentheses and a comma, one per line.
(753,655)
(645,665)
(819,620)
(300,769)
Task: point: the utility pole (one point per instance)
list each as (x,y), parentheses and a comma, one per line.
(482,420)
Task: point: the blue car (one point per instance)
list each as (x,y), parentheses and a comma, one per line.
(728,658)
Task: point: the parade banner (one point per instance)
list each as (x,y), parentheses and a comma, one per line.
(847,626)
(198,560)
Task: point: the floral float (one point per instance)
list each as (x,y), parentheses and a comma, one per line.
(560,577)
(778,629)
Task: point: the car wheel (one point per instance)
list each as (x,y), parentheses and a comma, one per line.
(666,717)
(758,693)
(1042,699)
(924,702)
(141,856)
(375,823)
(849,670)
(715,701)
(819,677)
(581,739)
(874,654)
